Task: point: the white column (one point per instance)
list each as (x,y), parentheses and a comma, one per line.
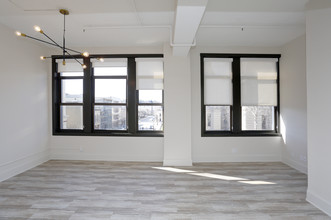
(177,110)
(318,42)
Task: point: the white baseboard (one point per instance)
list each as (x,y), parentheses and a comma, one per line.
(319,202)
(15,167)
(295,165)
(177,162)
(238,158)
(68,154)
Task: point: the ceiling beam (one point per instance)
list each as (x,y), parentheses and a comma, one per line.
(189,14)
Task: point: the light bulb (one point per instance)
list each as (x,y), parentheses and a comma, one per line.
(37,28)
(101,59)
(86,54)
(84,66)
(20,34)
(43,58)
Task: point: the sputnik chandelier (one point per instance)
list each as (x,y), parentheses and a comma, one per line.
(65,50)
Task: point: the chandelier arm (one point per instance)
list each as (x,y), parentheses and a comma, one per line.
(42,41)
(65,48)
(51,39)
(73,57)
(72,50)
(56,45)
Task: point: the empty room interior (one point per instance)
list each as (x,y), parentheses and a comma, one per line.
(165,109)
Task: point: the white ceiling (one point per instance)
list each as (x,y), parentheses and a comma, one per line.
(102,23)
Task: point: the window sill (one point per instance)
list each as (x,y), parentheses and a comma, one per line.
(241,134)
(113,134)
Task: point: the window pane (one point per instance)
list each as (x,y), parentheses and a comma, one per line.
(218,81)
(72,74)
(71,117)
(257,118)
(72,90)
(258,81)
(150,118)
(149,74)
(109,117)
(110,90)
(218,91)
(110,71)
(218,118)
(150,96)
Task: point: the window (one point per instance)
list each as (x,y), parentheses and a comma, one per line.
(239,94)
(258,93)
(218,93)
(71,104)
(123,95)
(110,94)
(150,94)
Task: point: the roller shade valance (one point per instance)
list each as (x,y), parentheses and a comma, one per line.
(149,73)
(110,62)
(70,66)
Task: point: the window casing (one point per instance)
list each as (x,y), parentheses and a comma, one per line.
(109,99)
(245,105)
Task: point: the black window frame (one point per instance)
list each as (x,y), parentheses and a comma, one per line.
(88,99)
(235,109)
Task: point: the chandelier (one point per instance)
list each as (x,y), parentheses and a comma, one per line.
(65,50)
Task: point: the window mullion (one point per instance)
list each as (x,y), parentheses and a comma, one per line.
(236,109)
(87,97)
(56,97)
(277,112)
(131,98)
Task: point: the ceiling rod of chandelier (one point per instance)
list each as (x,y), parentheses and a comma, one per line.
(53,43)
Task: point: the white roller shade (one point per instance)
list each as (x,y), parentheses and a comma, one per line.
(110,62)
(71,65)
(258,81)
(149,73)
(218,81)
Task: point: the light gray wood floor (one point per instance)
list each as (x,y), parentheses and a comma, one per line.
(124,190)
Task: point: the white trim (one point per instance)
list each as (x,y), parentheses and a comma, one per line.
(295,165)
(76,154)
(15,167)
(177,162)
(319,202)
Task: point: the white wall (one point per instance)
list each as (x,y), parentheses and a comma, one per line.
(182,138)
(227,149)
(24,101)
(318,31)
(108,148)
(293,104)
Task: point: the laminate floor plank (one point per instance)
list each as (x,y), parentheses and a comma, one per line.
(84,190)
